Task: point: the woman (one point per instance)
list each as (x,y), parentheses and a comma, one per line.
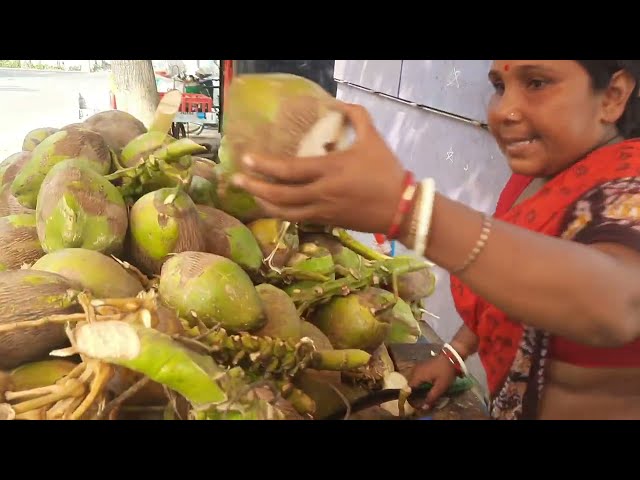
(549,287)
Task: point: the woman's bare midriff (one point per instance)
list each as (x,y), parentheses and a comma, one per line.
(578,393)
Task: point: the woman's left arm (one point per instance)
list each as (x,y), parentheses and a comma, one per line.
(590,294)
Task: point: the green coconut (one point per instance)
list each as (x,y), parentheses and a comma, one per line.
(35,138)
(40,374)
(205,168)
(27,295)
(282,114)
(79,208)
(354,321)
(415,286)
(321,385)
(162,223)
(404,325)
(341,255)
(278,240)
(231,199)
(19,240)
(93,271)
(212,289)
(80,144)
(277,114)
(140,147)
(315,259)
(203,192)
(118,128)
(229,237)
(283,320)
(10,167)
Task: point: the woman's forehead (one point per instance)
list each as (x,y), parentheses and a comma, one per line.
(515,65)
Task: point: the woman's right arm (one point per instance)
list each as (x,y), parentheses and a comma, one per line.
(465,342)
(438,370)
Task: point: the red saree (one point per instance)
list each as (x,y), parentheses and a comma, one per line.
(513,355)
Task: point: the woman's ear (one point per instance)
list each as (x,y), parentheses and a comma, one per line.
(616,95)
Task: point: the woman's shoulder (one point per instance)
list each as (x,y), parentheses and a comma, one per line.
(608,212)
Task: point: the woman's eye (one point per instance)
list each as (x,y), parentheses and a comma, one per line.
(498,86)
(537,83)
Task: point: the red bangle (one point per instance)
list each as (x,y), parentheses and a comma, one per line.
(404,206)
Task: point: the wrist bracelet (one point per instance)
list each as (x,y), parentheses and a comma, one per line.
(404,206)
(424,214)
(455,358)
(479,246)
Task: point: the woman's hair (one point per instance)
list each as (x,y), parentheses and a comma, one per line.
(601,72)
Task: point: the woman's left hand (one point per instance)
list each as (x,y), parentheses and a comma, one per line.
(357,189)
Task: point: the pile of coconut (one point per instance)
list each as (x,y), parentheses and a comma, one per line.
(137,282)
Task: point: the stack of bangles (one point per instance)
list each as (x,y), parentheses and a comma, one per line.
(422,194)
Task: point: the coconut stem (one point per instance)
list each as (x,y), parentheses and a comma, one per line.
(34,392)
(144,280)
(358,247)
(283,231)
(72,388)
(380,272)
(102,376)
(123,397)
(72,317)
(340,360)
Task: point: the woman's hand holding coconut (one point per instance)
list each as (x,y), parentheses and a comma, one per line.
(357,188)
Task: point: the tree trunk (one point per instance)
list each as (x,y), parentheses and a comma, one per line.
(135,88)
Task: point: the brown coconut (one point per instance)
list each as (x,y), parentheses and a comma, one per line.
(19,240)
(117,128)
(30,295)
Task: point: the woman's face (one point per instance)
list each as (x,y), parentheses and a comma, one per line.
(545,115)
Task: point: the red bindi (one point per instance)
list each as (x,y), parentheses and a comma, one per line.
(506,68)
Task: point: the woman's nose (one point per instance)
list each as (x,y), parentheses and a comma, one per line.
(506,108)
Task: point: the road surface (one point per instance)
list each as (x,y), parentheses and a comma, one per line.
(31,99)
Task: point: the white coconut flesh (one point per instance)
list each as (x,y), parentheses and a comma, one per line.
(329,133)
(395,380)
(108,339)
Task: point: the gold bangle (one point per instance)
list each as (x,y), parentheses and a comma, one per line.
(480,244)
